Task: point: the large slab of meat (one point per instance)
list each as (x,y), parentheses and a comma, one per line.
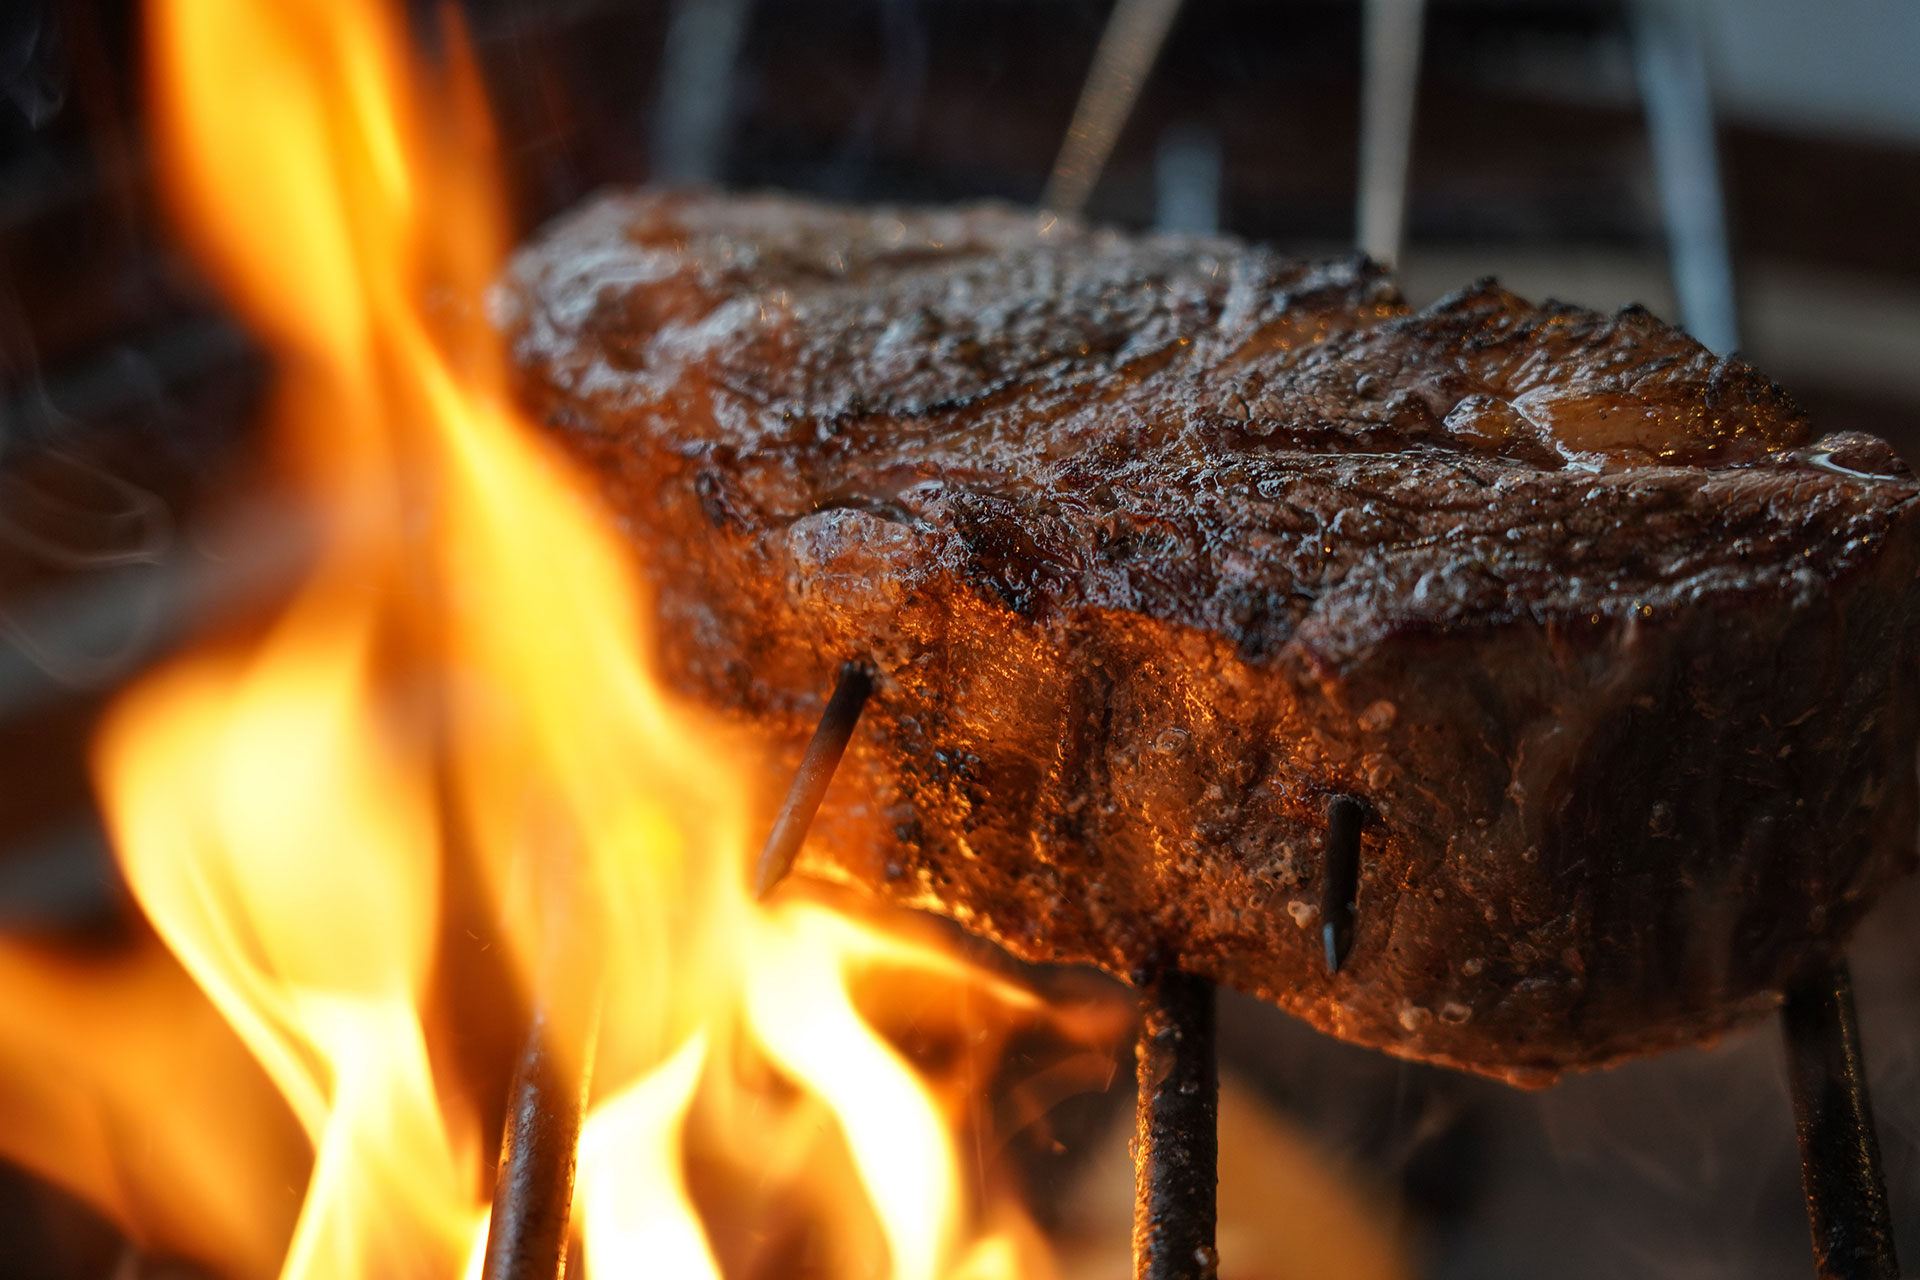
(1157,543)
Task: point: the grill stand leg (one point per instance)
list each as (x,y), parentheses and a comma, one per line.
(1176,1137)
(533,1193)
(1839,1154)
(1176,1144)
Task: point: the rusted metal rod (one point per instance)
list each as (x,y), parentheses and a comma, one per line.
(533,1191)
(1839,1152)
(810,781)
(1176,1137)
(1340,877)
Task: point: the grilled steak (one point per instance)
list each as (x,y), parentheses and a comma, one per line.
(1156,543)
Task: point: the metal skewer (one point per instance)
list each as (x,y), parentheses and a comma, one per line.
(810,781)
(533,1192)
(1176,1142)
(1177,1112)
(527,1228)
(698,68)
(1839,1153)
(1672,70)
(1393,33)
(1186,181)
(1177,1134)
(1847,1214)
(1132,39)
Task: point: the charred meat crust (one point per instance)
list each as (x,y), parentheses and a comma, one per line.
(1157,542)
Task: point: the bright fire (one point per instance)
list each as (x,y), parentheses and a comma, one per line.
(441,794)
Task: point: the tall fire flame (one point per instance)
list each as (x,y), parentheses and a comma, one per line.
(442,795)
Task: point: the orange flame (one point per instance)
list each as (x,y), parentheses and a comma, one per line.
(443,791)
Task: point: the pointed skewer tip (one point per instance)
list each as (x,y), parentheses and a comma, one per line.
(811,779)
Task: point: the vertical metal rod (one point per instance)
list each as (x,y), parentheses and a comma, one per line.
(1132,39)
(810,781)
(1839,1153)
(533,1191)
(1672,69)
(1393,31)
(1186,181)
(1176,1137)
(696,89)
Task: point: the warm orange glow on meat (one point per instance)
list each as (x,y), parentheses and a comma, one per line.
(444,782)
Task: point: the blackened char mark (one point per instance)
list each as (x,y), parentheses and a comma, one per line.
(1005,552)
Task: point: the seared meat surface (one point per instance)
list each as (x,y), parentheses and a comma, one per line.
(1156,543)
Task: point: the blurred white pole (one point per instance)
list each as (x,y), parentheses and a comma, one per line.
(1672,67)
(1135,31)
(1186,181)
(696,89)
(1392,32)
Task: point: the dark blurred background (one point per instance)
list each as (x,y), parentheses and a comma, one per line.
(131,510)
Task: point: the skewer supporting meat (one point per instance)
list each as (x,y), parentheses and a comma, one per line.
(1176,1141)
(1128,47)
(527,1231)
(1176,1137)
(533,1194)
(1839,1153)
(829,743)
